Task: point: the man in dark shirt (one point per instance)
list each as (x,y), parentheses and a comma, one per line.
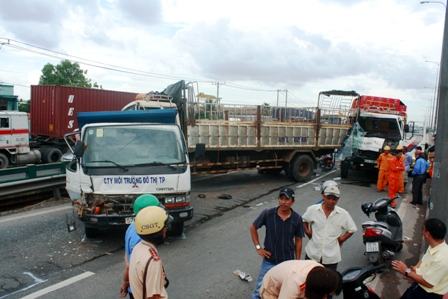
(283,238)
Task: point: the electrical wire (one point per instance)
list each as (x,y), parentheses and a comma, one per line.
(111,67)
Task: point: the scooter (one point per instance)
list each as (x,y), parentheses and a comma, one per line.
(353,286)
(327,162)
(383,237)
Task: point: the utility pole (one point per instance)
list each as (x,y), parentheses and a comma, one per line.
(278,94)
(217,91)
(440,176)
(286,102)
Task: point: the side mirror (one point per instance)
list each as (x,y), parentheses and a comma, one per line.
(78,150)
(406,128)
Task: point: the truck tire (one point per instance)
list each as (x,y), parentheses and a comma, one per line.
(51,154)
(91,232)
(4,161)
(302,168)
(344,169)
(177,229)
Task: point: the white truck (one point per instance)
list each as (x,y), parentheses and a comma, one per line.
(15,140)
(121,155)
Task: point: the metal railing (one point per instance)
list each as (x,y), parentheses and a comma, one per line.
(234,112)
(21,174)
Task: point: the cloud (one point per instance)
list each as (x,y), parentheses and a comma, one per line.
(35,22)
(292,56)
(142,11)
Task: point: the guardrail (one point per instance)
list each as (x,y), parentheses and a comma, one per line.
(20,174)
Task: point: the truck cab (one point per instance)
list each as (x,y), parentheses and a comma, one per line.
(377,121)
(15,140)
(121,155)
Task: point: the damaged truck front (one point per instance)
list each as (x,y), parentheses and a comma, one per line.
(377,122)
(121,155)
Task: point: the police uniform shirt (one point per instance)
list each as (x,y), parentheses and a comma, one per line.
(155,277)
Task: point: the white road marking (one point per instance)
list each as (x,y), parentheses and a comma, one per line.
(59,285)
(36,282)
(318,178)
(33,214)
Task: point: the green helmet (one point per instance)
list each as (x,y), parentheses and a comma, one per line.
(145,200)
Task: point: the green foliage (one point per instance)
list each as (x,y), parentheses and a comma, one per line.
(24,106)
(66,73)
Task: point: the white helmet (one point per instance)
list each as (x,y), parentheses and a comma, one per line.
(327,184)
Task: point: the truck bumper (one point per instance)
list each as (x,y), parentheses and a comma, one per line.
(104,221)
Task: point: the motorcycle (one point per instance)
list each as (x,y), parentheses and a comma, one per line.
(353,282)
(327,162)
(383,237)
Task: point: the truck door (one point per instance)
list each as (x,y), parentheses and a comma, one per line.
(5,131)
(73,179)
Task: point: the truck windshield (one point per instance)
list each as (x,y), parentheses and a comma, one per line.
(128,146)
(380,127)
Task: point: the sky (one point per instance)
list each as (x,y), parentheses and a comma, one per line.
(388,48)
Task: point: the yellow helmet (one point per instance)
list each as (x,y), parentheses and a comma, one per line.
(399,147)
(150,220)
(387,148)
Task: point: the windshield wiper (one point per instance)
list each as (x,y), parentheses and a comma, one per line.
(110,161)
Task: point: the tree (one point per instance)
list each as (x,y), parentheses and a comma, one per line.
(24,106)
(66,73)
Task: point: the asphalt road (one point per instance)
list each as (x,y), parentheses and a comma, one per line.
(40,255)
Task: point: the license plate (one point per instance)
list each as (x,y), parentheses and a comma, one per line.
(372,247)
(129,220)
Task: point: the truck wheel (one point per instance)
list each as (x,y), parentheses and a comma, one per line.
(91,232)
(51,154)
(302,168)
(4,161)
(177,229)
(344,169)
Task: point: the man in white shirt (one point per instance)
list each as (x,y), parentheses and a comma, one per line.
(327,226)
(430,276)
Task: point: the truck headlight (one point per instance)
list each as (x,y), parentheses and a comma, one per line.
(183,198)
(169,200)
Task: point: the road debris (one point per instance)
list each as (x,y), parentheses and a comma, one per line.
(243,275)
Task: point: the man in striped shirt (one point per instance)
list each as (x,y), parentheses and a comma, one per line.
(283,238)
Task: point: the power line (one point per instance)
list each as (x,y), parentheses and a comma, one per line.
(111,67)
(15,84)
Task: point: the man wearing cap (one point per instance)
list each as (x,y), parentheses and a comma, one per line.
(283,238)
(132,238)
(382,163)
(147,275)
(327,226)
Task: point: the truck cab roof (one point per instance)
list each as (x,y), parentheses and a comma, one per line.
(162,116)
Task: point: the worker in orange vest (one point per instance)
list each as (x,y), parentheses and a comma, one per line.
(396,168)
(383,165)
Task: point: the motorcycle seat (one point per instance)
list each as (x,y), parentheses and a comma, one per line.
(375,224)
